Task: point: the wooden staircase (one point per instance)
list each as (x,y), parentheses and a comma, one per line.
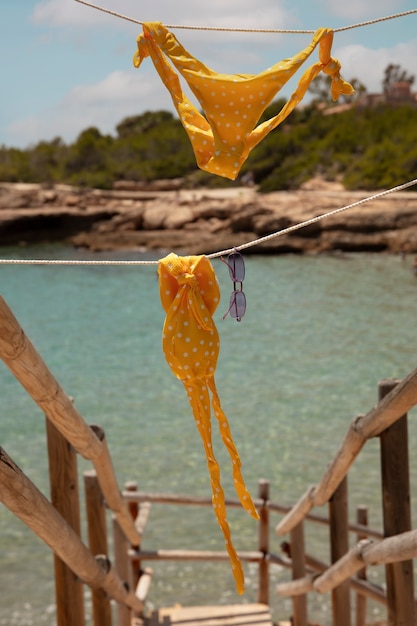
(231,615)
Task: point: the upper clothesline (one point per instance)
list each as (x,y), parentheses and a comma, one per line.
(233,104)
(249,30)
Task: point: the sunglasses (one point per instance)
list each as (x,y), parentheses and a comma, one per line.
(237,305)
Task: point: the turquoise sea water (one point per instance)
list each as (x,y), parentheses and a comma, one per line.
(318,335)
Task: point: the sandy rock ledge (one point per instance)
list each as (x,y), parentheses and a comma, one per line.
(205,221)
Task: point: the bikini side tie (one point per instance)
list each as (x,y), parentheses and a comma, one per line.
(190,294)
(232,103)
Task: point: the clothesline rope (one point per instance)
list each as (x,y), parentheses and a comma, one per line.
(244,246)
(248,30)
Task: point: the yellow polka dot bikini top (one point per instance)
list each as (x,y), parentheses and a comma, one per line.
(232,103)
(190,294)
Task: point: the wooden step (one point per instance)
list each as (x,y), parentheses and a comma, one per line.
(230,615)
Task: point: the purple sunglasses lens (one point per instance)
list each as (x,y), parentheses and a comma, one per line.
(236,267)
(237,305)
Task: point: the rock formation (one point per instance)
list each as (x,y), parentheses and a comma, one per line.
(204,221)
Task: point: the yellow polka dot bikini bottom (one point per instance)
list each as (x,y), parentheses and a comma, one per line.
(232,103)
(190,294)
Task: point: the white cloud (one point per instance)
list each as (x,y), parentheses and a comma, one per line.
(369,65)
(116,87)
(361,10)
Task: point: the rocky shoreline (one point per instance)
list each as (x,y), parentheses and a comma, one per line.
(167,217)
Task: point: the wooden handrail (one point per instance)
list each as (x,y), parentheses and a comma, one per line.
(25,501)
(315,567)
(23,360)
(300,586)
(193,555)
(21,357)
(400,400)
(395,404)
(297,587)
(346,564)
(148,497)
(365,552)
(298,512)
(175,499)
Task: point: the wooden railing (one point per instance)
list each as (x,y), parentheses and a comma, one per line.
(260,556)
(388,420)
(58,523)
(26,364)
(127,581)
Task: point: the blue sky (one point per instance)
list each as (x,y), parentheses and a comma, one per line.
(67,66)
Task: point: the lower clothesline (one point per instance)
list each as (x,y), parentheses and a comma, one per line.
(220,253)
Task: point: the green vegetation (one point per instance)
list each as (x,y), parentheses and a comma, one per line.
(369,148)
(365,148)
(147,147)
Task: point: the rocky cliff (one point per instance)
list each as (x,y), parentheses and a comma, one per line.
(167,217)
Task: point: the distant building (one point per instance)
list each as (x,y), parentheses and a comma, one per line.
(400,92)
(370,100)
(397,94)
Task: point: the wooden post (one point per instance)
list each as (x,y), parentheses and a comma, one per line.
(134,511)
(396,513)
(298,571)
(361,518)
(144,583)
(133,506)
(339,546)
(121,564)
(142,518)
(97,541)
(108,483)
(263,541)
(63,480)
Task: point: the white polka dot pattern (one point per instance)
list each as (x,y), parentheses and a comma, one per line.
(233,103)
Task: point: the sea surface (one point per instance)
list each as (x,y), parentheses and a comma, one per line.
(318,335)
